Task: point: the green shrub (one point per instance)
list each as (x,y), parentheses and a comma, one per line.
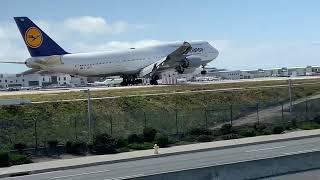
(104,144)
(189,138)
(230,136)
(77,148)
(266,132)
(259,127)
(4,159)
(204,138)
(199,131)
(90,147)
(53,147)
(247,132)
(294,123)
(17,159)
(317,119)
(121,142)
(216,132)
(19,147)
(142,146)
(123,149)
(134,138)
(226,129)
(162,140)
(309,125)
(149,134)
(278,130)
(52,143)
(68,147)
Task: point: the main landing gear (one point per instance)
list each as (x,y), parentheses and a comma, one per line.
(203,70)
(180,68)
(154,78)
(130,80)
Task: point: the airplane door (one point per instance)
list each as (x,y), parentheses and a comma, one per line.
(76,69)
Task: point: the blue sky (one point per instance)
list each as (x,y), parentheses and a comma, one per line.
(249,33)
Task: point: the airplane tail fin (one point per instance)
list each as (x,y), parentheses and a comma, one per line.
(37,41)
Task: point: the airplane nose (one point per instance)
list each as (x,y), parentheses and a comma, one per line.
(216,53)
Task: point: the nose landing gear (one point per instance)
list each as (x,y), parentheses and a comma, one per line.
(203,70)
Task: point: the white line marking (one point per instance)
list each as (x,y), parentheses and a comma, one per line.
(265,149)
(81,174)
(38,174)
(126,177)
(299,152)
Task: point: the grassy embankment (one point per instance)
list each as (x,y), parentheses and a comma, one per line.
(168,113)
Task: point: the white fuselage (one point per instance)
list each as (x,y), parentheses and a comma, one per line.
(124,62)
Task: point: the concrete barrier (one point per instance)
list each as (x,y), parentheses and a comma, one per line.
(254,169)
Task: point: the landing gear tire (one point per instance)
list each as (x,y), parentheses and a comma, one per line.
(130,80)
(124,83)
(203,70)
(180,69)
(153,82)
(154,79)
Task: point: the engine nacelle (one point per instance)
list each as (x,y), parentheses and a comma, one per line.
(194,61)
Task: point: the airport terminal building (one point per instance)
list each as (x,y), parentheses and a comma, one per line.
(37,80)
(261,73)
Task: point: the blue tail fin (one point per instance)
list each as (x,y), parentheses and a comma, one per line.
(38,42)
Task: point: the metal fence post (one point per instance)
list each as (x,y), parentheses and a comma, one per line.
(306,109)
(258,113)
(206,118)
(36,133)
(111,125)
(290,93)
(145,119)
(231,114)
(282,115)
(75,128)
(177,130)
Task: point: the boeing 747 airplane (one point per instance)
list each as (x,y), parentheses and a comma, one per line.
(48,57)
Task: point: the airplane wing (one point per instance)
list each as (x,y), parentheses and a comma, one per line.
(176,56)
(171,61)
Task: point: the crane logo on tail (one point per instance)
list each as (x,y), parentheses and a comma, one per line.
(33,37)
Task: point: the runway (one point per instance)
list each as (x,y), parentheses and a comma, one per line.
(104,88)
(131,169)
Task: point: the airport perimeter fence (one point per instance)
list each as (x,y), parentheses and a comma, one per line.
(36,131)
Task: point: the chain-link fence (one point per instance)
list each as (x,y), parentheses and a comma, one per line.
(18,124)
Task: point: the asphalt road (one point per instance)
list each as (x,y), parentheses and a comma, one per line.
(137,168)
(307,175)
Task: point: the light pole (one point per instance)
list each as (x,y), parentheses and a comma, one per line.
(89,110)
(290,94)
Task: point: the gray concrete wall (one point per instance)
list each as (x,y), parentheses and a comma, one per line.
(245,170)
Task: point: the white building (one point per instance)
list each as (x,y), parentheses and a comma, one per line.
(37,80)
(313,70)
(169,77)
(240,74)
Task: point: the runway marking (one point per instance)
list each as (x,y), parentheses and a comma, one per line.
(81,174)
(303,151)
(38,174)
(265,149)
(126,177)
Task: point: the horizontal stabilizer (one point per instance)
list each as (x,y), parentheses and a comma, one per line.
(12,62)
